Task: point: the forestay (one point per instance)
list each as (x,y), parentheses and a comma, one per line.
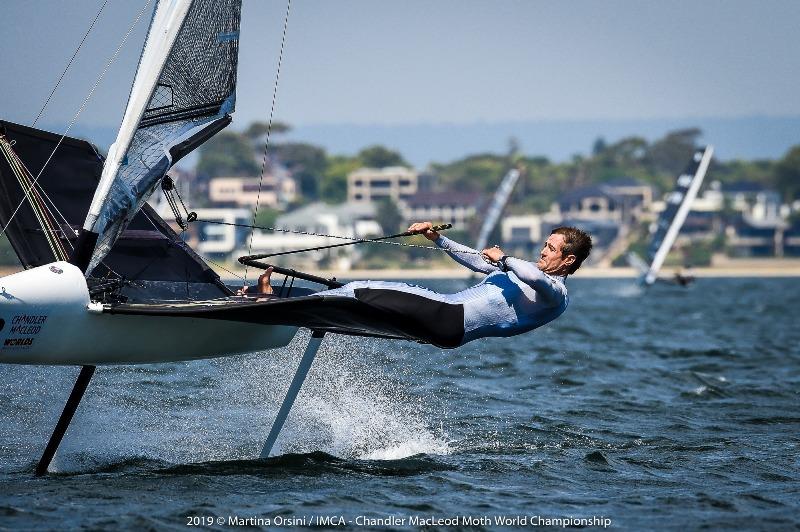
(183,93)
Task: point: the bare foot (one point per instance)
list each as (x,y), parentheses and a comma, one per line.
(263,282)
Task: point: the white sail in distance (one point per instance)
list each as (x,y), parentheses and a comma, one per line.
(496,208)
(679,202)
(183,93)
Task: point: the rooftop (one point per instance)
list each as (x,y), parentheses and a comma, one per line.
(345,212)
(439,199)
(591,191)
(743,187)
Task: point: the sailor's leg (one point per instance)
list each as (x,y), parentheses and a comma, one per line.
(66,416)
(349,289)
(294,388)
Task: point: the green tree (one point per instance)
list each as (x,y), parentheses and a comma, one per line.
(306,162)
(388,216)
(333,188)
(380,157)
(257,131)
(266,217)
(621,156)
(227,154)
(476,173)
(599,146)
(738,170)
(787,174)
(671,153)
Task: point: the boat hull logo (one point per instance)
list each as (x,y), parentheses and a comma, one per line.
(18,342)
(54,269)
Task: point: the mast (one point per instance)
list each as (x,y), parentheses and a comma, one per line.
(679,202)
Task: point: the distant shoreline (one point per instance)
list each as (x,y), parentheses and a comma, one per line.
(723,268)
(766,269)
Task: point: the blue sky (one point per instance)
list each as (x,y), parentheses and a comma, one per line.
(376,63)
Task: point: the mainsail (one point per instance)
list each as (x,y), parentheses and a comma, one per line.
(496,208)
(679,202)
(183,93)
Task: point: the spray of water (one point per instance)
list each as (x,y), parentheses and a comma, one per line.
(355,404)
(349,406)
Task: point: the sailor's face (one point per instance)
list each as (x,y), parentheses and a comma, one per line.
(551,259)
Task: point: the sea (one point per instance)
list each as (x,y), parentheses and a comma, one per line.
(657,409)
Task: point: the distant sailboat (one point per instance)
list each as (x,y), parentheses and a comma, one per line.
(496,208)
(669,223)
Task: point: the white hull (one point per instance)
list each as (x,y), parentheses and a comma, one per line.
(47,318)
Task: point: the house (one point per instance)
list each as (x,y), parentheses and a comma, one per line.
(595,203)
(349,220)
(711,200)
(216,233)
(791,240)
(603,213)
(457,208)
(635,197)
(760,229)
(219,240)
(371,184)
(741,195)
(748,237)
(274,191)
(523,235)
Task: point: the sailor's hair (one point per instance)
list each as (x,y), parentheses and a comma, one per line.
(576,242)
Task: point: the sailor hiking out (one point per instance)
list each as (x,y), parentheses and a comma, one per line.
(516,296)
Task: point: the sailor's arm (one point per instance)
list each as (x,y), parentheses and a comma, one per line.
(552,292)
(464,255)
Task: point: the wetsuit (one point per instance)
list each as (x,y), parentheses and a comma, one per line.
(503,304)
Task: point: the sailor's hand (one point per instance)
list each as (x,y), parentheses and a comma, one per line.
(425,229)
(242,291)
(492,254)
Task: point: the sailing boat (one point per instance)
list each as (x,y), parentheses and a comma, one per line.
(122,287)
(499,201)
(669,223)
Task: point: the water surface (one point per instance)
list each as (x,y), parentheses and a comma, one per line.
(666,409)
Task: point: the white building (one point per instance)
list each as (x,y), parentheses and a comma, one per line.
(457,208)
(372,184)
(275,191)
(524,234)
(216,233)
(350,220)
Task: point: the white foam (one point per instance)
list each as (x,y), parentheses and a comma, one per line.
(223,409)
(351,409)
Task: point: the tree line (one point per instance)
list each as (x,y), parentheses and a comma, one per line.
(323,176)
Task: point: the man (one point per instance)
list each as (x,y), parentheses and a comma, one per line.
(683,277)
(516,296)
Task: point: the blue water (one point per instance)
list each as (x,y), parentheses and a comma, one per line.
(666,409)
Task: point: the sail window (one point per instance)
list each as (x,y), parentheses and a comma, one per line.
(162,98)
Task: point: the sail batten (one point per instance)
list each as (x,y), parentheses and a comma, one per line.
(184,88)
